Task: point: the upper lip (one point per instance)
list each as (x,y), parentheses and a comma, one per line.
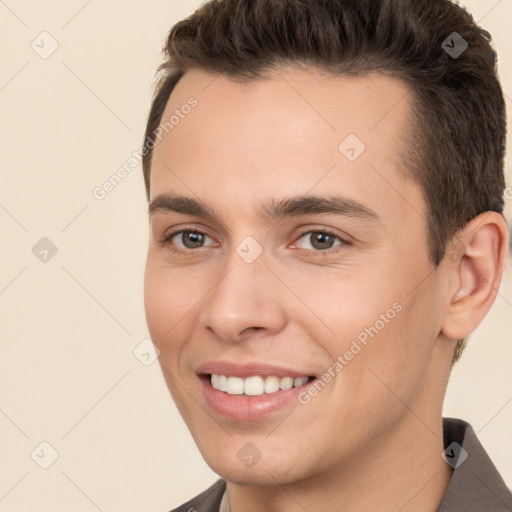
(243,370)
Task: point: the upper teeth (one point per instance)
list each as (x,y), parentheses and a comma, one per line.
(254,385)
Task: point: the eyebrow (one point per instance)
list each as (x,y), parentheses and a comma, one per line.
(272,210)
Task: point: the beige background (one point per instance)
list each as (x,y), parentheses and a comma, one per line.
(69,325)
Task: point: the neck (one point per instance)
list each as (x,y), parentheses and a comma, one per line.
(403,471)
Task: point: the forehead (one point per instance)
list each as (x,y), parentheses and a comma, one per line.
(293,132)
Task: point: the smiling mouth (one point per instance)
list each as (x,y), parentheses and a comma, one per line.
(255,385)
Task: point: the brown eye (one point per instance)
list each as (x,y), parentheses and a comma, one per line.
(187,239)
(319,240)
(192,239)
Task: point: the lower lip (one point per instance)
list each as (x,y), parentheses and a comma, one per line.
(245,407)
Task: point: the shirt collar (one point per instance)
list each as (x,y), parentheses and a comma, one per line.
(476,484)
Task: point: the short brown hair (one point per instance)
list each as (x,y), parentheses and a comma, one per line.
(455,151)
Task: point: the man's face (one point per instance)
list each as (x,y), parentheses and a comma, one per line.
(276,286)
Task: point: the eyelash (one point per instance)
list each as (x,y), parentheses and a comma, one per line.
(307,252)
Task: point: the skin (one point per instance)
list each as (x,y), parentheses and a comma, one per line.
(376,426)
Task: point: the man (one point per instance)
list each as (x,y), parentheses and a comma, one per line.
(325,182)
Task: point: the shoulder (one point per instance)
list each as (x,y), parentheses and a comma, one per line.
(208,501)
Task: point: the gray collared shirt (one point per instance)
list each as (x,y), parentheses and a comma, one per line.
(475,486)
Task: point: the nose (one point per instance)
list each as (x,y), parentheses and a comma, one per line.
(246,299)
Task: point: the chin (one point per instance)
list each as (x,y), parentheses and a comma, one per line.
(266,471)
(252,476)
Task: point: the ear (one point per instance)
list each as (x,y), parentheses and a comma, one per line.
(476,259)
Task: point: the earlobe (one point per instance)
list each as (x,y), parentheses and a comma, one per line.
(476,270)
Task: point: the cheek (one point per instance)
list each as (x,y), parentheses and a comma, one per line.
(397,360)
(166,306)
(167,300)
(346,305)
(157,304)
(370,323)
